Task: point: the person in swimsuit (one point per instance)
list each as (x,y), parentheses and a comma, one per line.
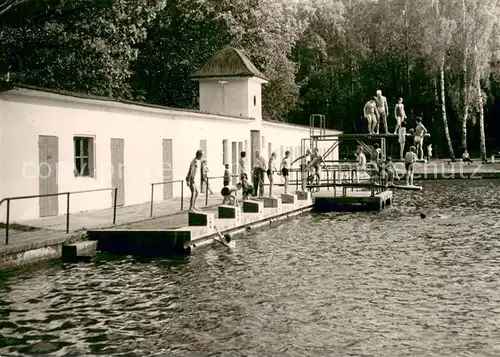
(390,172)
(284,167)
(399,113)
(383,110)
(193,179)
(259,169)
(271,170)
(410,159)
(227,175)
(402,139)
(229,193)
(204,175)
(246,188)
(315,164)
(242,165)
(375,157)
(361,166)
(371,115)
(420,132)
(303,167)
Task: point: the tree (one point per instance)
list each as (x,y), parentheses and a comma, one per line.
(185,34)
(485,52)
(267,30)
(9,5)
(83,46)
(438,33)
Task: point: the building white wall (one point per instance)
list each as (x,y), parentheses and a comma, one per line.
(225,96)
(26,114)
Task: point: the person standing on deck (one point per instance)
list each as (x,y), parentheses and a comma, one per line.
(383,110)
(429,152)
(284,167)
(315,163)
(399,113)
(402,139)
(361,166)
(307,159)
(420,132)
(259,168)
(204,176)
(271,170)
(371,114)
(410,159)
(376,157)
(242,162)
(193,179)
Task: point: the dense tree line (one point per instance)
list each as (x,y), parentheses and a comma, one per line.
(322,56)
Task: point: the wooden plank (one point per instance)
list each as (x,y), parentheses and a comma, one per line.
(118,170)
(168,168)
(48,155)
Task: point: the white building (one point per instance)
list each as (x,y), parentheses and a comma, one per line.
(53,141)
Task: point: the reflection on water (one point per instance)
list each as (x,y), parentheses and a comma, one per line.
(354,284)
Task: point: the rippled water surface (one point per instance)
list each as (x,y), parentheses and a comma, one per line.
(353,284)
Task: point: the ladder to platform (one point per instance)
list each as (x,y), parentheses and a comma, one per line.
(320,119)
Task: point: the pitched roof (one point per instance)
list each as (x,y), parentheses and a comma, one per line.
(229,62)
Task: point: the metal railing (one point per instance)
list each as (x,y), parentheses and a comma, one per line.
(153,184)
(8,199)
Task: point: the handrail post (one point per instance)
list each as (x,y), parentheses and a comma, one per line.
(206,192)
(328,180)
(373,187)
(7,223)
(67,212)
(152,196)
(352,180)
(182,195)
(114,205)
(334,183)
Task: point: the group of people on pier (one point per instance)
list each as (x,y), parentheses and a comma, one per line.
(198,175)
(384,169)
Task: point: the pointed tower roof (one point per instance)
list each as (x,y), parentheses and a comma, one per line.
(229,62)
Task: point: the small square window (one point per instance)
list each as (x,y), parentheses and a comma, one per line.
(84,156)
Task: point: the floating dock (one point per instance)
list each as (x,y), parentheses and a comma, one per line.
(333,201)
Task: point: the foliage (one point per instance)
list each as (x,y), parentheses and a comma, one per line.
(83,45)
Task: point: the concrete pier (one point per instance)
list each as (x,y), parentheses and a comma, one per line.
(78,251)
(142,242)
(202,228)
(287,198)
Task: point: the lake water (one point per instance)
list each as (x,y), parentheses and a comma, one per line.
(342,284)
